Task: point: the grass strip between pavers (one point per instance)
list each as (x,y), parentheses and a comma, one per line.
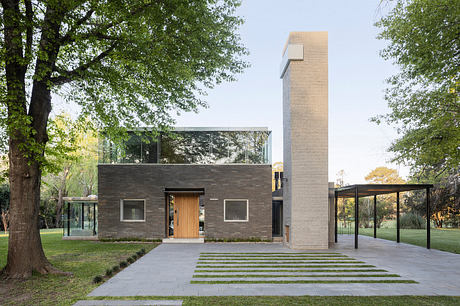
(365,281)
(288,266)
(270,256)
(289,275)
(276,262)
(263,253)
(274,259)
(293,270)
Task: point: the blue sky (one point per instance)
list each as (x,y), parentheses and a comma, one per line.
(356,80)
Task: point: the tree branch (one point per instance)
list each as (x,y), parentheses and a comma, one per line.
(101,28)
(68,36)
(29,29)
(68,76)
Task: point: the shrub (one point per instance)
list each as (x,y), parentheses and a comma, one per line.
(412,221)
(123,264)
(139,253)
(115,269)
(130,260)
(134,257)
(108,272)
(143,251)
(97,279)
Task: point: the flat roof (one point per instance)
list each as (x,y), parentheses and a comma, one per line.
(81,199)
(366,190)
(211,129)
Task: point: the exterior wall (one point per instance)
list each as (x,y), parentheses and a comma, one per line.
(331,214)
(305,114)
(148,181)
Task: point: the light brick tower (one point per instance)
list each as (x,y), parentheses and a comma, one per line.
(304,70)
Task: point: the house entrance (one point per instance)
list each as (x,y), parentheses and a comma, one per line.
(184,210)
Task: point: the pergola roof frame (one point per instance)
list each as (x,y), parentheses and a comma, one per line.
(364,190)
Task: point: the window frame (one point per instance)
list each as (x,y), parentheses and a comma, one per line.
(247,210)
(121,210)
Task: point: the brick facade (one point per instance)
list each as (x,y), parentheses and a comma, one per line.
(148,181)
(305,121)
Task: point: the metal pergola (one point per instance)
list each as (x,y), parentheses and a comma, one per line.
(367,190)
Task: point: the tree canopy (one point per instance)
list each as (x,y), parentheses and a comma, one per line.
(123,63)
(423,41)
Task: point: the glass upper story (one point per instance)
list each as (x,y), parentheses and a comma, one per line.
(191,146)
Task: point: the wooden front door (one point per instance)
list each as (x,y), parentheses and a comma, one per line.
(186,216)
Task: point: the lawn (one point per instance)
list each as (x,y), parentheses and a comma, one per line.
(85,259)
(446,239)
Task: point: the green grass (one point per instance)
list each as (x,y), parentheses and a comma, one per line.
(276,262)
(441,239)
(446,239)
(276,259)
(289,266)
(270,256)
(305,281)
(263,253)
(289,275)
(294,270)
(300,300)
(85,259)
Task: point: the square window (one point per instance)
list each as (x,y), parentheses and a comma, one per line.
(236,210)
(132,210)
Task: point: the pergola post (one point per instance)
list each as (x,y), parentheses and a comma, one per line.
(356,216)
(428,213)
(375,216)
(68,218)
(336,210)
(397,218)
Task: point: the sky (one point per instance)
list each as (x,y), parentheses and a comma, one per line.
(356,80)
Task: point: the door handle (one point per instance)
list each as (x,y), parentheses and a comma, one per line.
(177,216)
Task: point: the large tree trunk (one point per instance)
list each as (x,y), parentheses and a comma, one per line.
(25,252)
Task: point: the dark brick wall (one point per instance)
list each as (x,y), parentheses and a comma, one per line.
(148,181)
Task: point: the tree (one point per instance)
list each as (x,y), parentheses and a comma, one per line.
(276,167)
(423,98)
(444,199)
(124,62)
(386,202)
(4,205)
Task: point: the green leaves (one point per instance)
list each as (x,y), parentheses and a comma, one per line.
(423,98)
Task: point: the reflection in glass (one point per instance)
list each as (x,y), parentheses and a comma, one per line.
(80,218)
(192,147)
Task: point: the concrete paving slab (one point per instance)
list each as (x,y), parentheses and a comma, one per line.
(168,269)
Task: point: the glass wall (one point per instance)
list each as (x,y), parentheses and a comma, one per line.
(80,218)
(193,147)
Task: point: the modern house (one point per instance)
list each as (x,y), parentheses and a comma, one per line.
(217,182)
(191,183)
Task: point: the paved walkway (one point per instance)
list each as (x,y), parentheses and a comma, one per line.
(169,269)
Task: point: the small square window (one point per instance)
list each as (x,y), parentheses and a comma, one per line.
(132,210)
(236,210)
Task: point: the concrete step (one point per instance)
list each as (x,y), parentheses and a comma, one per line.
(183,240)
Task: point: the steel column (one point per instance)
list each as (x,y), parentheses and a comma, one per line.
(94,219)
(336,209)
(375,216)
(428,213)
(82,216)
(68,218)
(356,216)
(397,219)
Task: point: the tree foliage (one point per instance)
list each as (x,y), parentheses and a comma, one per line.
(423,41)
(124,63)
(386,204)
